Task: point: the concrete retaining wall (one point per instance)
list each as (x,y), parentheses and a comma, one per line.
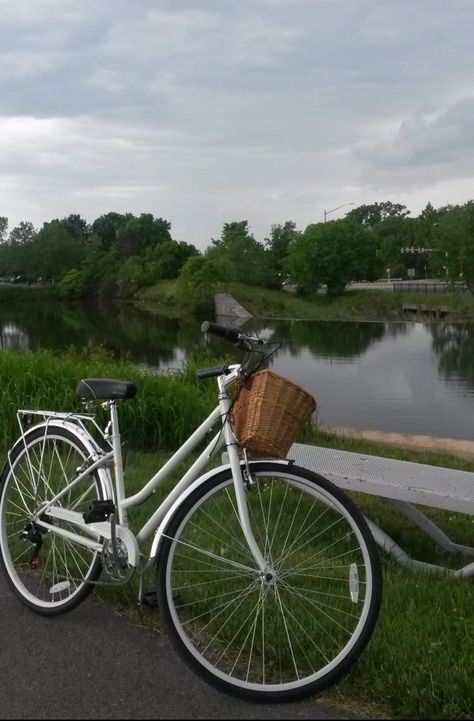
(229,311)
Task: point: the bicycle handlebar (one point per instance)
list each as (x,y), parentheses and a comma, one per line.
(212,372)
(244,341)
(222,331)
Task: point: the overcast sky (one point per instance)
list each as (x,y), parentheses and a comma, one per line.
(208,111)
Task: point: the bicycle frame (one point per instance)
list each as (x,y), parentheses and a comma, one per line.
(158,520)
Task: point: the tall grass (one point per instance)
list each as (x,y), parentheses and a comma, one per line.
(161,416)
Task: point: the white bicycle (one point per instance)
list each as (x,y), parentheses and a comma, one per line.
(268,579)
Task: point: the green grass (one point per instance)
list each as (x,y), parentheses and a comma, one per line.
(352,305)
(164,412)
(420,660)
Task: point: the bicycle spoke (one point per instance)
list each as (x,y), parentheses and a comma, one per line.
(50,573)
(282,632)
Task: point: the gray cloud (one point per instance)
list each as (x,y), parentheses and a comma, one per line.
(426,148)
(208,111)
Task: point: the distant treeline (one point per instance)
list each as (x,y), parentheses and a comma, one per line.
(118,254)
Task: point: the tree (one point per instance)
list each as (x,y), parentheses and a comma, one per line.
(131,276)
(394,233)
(454,245)
(170,256)
(3,228)
(370,216)
(278,244)
(77,227)
(246,258)
(138,234)
(195,286)
(333,254)
(105,229)
(55,250)
(23,233)
(16,256)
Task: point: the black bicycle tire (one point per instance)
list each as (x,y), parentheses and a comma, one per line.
(32,436)
(313,687)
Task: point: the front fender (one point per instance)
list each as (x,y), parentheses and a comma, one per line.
(160,531)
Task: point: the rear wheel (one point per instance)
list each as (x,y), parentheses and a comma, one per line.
(297,628)
(48,572)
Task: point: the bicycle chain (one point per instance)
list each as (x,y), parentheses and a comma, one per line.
(113,582)
(116,582)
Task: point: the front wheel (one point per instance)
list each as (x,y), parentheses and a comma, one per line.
(294,630)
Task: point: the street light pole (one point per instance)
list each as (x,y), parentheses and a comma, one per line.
(326,212)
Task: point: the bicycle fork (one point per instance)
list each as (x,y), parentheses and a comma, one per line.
(239,485)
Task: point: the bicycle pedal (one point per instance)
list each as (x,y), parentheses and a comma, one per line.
(150,598)
(99,511)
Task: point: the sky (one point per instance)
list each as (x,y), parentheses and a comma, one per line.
(205,112)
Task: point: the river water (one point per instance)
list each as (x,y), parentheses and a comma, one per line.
(404,377)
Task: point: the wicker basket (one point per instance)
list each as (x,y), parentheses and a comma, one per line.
(268,413)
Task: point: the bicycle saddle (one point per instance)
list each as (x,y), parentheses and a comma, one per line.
(105,389)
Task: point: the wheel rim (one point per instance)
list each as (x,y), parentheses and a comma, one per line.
(62,567)
(292,628)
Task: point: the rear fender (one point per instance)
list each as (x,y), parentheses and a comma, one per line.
(93,449)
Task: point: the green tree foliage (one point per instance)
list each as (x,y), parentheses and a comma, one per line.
(77,227)
(105,229)
(71,284)
(3,228)
(23,233)
(195,286)
(372,215)
(17,254)
(169,257)
(333,254)
(93,259)
(138,234)
(454,245)
(278,244)
(56,250)
(395,231)
(97,275)
(131,276)
(246,258)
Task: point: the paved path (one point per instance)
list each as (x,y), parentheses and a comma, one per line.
(93,664)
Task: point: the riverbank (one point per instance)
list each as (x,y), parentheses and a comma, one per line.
(362,304)
(368,304)
(463,449)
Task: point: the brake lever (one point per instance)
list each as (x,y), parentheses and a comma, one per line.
(247,343)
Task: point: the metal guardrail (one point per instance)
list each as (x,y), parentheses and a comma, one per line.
(430,287)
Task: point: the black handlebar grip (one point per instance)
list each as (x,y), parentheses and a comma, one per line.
(230,334)
(211,372)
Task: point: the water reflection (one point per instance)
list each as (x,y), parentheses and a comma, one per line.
(332,339)
(454,346)
(405,377)
(124,330)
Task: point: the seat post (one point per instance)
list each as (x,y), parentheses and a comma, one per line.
(118,461)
